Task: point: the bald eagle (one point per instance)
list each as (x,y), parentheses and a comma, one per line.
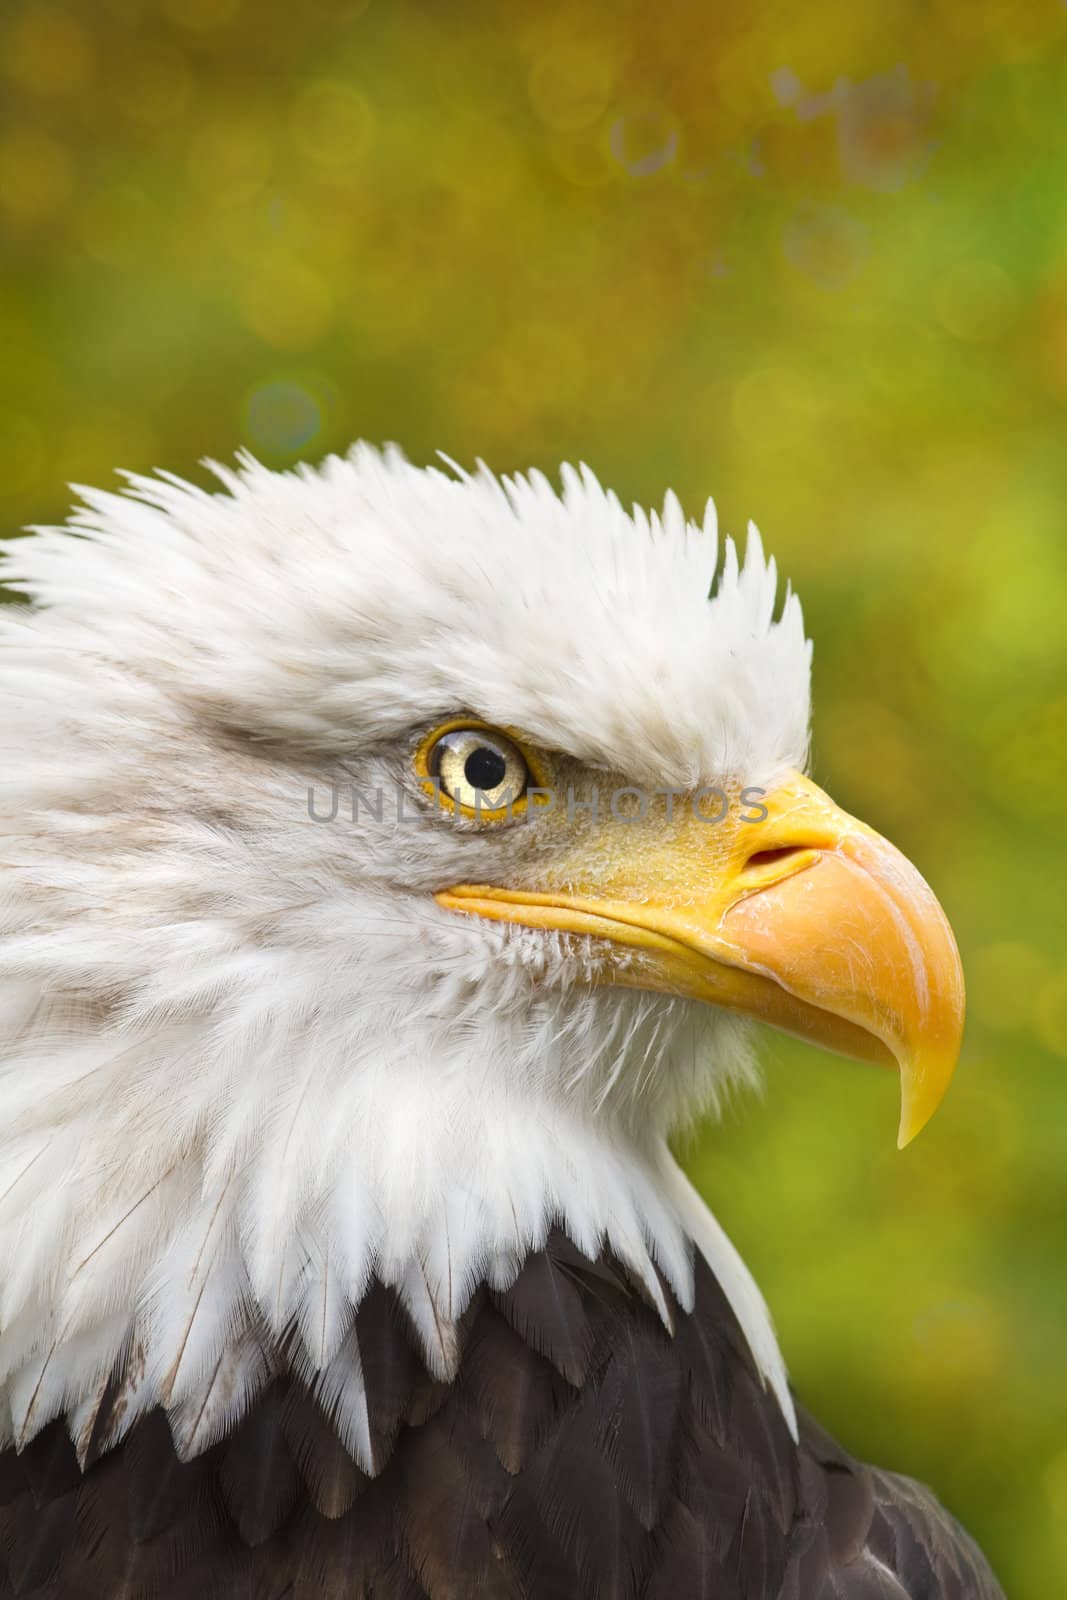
(392,858)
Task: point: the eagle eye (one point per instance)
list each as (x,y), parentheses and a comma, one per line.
(476,769)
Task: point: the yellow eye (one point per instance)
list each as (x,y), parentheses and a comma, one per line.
(478,769)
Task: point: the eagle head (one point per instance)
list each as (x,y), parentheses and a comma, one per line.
(392,858)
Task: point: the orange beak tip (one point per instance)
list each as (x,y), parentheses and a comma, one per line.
(906,1132)
(921,1093)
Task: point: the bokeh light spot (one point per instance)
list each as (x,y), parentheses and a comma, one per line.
(644,142)
(826,244)
(49,52)
(569,89)
(774,408)
(36,177)
(282,417)
(580,159)
(786,86)
(883,134)
(961,1342)
(286,303)
(332,123)
(231,150)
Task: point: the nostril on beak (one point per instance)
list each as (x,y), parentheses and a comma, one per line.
(776,857)
(766,867)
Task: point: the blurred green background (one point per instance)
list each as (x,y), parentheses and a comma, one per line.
(811,259)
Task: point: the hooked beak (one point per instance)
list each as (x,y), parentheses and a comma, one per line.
(804,918)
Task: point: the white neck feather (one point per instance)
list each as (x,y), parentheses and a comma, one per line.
(177,1256)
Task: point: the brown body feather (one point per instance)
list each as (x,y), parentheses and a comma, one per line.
(581,1453)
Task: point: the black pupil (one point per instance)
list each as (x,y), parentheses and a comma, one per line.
(485,768)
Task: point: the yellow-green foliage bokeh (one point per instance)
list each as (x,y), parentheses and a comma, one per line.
(809,258)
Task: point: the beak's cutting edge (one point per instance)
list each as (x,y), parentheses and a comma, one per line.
(805,919)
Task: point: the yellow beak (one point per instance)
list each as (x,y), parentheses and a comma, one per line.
(805,919)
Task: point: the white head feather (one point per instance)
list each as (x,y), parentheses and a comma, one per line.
(248,1060)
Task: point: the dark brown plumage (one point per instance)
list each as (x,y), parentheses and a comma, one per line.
(582,1453)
